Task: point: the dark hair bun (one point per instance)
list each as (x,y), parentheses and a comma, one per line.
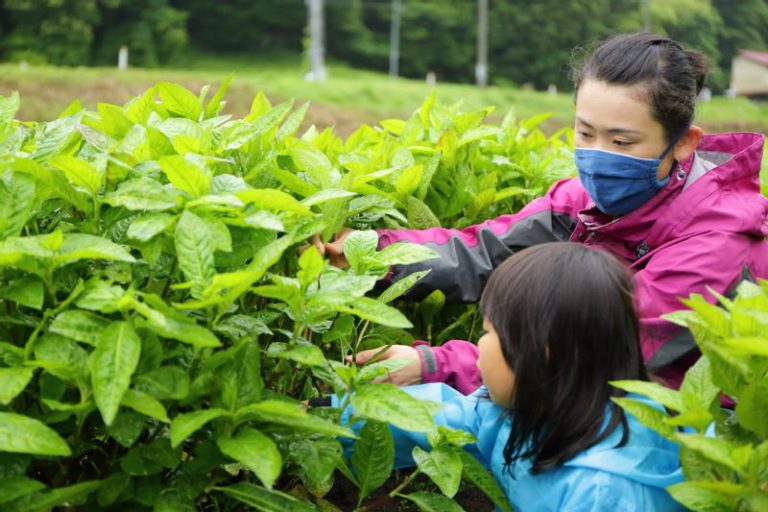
(700,66)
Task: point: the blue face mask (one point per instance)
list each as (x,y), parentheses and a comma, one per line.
(617,183)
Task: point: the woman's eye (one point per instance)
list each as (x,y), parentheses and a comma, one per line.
(585,135)
(621,143)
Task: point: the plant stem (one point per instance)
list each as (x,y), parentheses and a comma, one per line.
(404,483)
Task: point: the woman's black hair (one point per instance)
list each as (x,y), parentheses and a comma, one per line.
(671,75)
(565,318)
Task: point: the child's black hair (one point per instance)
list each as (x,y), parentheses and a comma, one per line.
(565,318)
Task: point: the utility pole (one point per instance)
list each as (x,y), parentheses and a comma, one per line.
(316,14)
(481,69)
(394,40)
(646,15)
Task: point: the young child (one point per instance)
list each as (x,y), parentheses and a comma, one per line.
(559,324)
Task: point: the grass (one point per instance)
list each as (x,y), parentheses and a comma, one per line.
(347,99)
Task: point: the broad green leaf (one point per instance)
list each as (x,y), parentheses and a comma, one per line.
(164,383)
(389,404)
(184,425)
(147,227)
(186,176)
(9,105)
(17,486)
(178,100)
(326,195)
(216,103)
(113,120)
(143,194)
(317,459)
(62,358)
(79,325)
(697,389)
(292,124)
(112,364)
(139,108)
(372,371)
(420,216)
(27,291)
(303,353)
(752,407)
(255,451)
(194,250)
(717,450)
(314,163)
(475,472)
(13,381)
(401,286)
(284,413)
(377,312)
(404,253)
(186,331)
(311,265)
(145,404)
(11,355)
(373,457)
(79,246)
(79,173)
(696,497)
(17,193)
(219,232)
(757,346)
(648,415)
(272,199)
(409,180)
(20,434)
(265,500)
(443,465)
(430,502)
(661,394)
(55,497)
(100,296)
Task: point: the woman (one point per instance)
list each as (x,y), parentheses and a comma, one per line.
(682,210)
(559,325)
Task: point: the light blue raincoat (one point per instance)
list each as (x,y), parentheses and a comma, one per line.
(601,478)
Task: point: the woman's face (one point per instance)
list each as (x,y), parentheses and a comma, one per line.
(497,375)
(617,118)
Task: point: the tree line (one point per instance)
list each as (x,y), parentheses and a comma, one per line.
(529,42)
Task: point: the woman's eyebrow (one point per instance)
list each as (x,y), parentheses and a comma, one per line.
(612,131)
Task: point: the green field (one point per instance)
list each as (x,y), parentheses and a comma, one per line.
(348,98)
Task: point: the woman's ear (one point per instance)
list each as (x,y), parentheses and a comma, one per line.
(688,143)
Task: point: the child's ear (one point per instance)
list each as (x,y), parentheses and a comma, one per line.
(688,143)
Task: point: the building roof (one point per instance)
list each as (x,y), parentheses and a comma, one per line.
(755,56)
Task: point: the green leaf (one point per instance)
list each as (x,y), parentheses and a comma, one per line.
(147,227)
(752,407)
(9,105)
(20,434)
(648,415)
(311,265)
(79,325)
(178,100)
(142,194)
(404,253)
(79,246)
(265,500)
(186,176)
(112,364)
(49,499)
(79,173)
(475,472)
(430,502)
(17,486)
(194,250)
(13,381)
(184,425)
(255,451)
(373,457)
(284,413)
(443,465)
(420,216)
(717,450)
(293,123)
(389,404)
(100,296)
(28,291)
(661,394)
(17,192)
(314,163)
(360,245)
(696,497)
(272,199)
(401,286)
(326,195)
(375,311)
(145,404)
(186,331)
(317,459)
(409,180)
(62,358)
(216,103)
(164,383)
(304,353)
(697,389)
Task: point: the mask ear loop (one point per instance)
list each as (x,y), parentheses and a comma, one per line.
(672,144)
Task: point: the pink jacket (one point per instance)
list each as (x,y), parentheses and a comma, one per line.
(705,228)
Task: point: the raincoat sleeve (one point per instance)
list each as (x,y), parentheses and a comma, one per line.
(468,413)
(467,256)
(454,362)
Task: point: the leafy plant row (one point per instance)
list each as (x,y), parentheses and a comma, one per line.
(158,328)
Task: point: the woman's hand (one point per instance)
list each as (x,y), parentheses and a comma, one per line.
(334,250)
(406,375)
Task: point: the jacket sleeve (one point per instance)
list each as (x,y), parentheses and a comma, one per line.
(454,362)
(468,256)
(717,260)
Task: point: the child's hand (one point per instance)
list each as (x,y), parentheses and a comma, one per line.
(334,250)
(405,376)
